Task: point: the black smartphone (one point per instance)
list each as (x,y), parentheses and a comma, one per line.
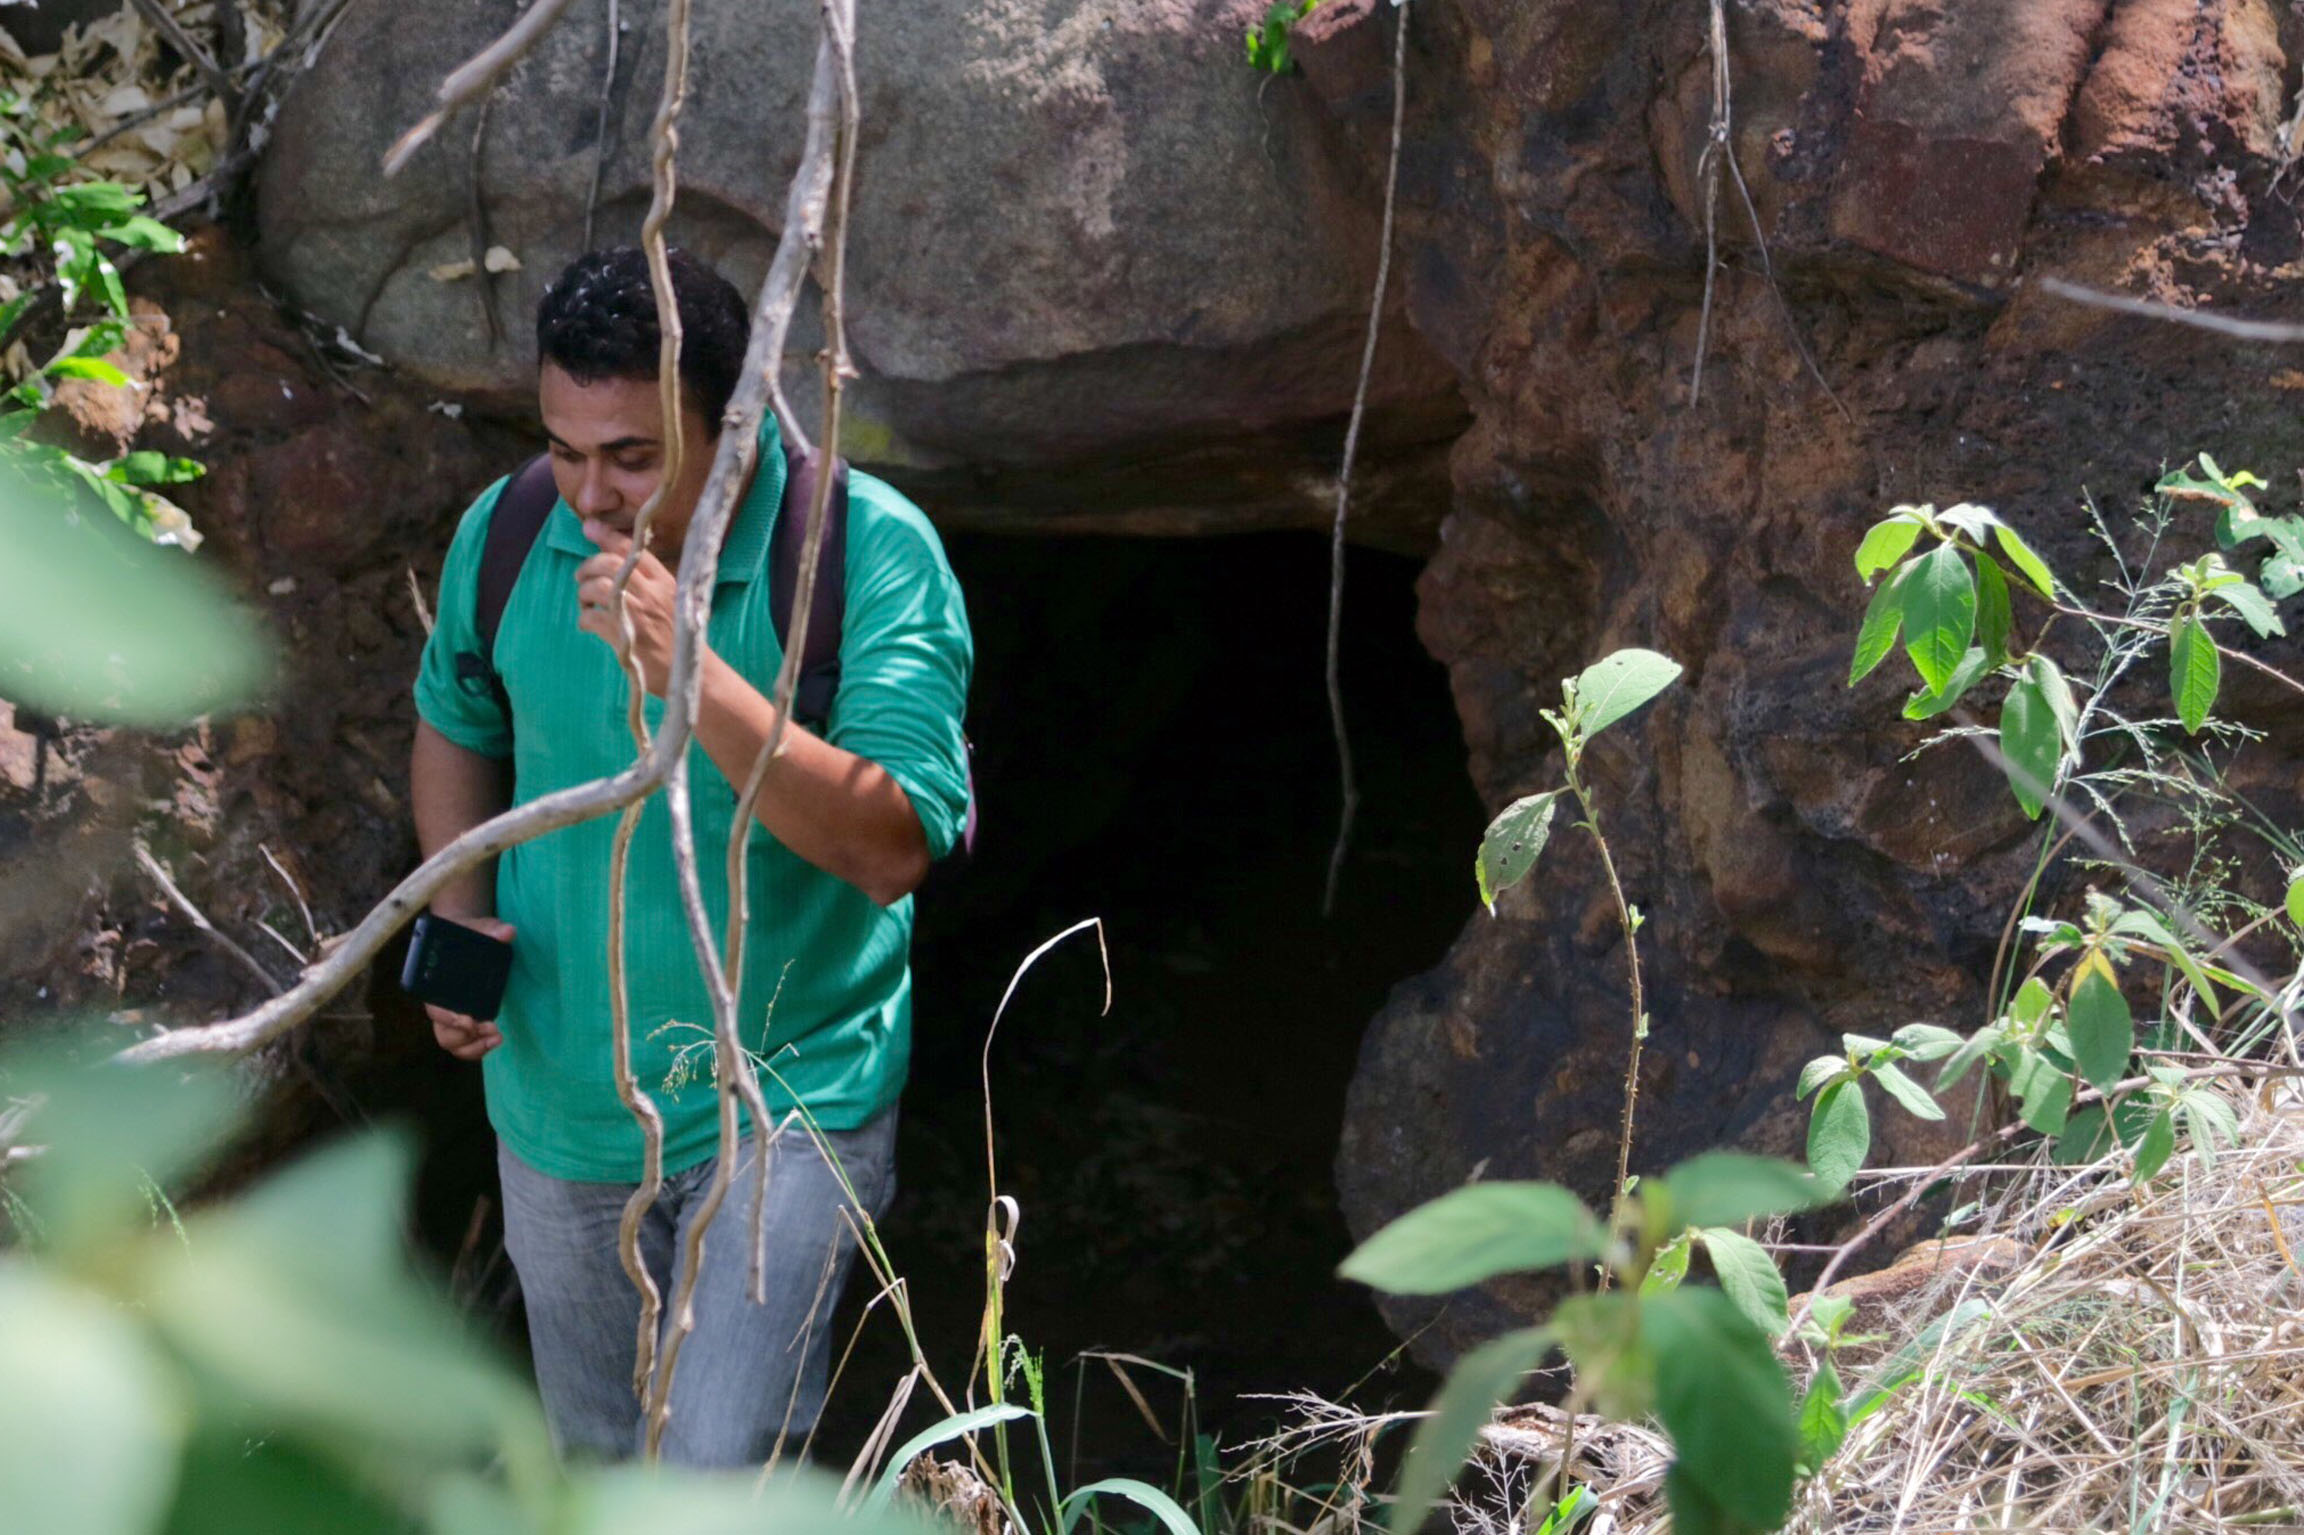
(456,967)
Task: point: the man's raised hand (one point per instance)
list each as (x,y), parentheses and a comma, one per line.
(648,602)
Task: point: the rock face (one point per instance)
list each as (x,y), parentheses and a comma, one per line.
(1082,238)
(1914,168)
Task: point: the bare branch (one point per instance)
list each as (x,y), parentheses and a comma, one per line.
(1348,779)
(475,77)
(2198,319)
(183,903)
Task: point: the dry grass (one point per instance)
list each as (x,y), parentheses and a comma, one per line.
(2142,1369)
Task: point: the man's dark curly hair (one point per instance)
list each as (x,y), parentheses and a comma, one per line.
(599,321)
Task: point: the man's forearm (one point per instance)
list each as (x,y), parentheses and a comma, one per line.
(452,791)
(839,811)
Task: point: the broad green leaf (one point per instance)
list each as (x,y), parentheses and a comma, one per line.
(99,625)
(1939,614)
(1839,1134)
(1749,1278)
(1728,1188)
(2033,1000)
(2050,679)
(1995,618)
(635,1499)
(1475,1233)
(2254,608)
(139,232)
(2295,900)
(1615,685)
(1821,1071)
(2030,745)
(1514,842)
(2194,671)
(1927,1041)
(955,1427)
(2103,1030)
(1904,1090)
(2210,1119)
(1886,542)
(2028,565)
(1927,705)
(2283,569)
(1973,1049)
(231,1485)
(90,1417)
(1145,1496)
(1975,521)
(1601,1336)
(2146,924)
(2043,1090)
(1725,1402)
(95,369)
(1571,1511)
(1823,1421)
(1883,618)
(2085,1137)
(297,1300)
(1669,1266)
(1467,1400)
(113,1133)
(2158,1144)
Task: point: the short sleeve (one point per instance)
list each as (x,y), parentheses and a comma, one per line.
(454,694)
(905,658)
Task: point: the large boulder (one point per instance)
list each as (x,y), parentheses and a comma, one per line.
(1915,168)
(1084,237)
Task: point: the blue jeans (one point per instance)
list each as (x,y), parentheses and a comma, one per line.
(748,1373)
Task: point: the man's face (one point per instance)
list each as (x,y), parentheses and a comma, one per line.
(608,452)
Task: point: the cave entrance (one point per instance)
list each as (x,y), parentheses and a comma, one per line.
(1154,749)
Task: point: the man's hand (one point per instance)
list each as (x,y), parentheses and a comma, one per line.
(647,603)
(465,1038)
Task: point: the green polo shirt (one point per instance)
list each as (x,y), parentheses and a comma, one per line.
(826,997)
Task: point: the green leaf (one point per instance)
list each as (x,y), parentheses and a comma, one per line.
(1886,542)
(2283,569)
(2085,1137)
(1839,1134)
(637,1499)
(91,1418)
(1909,1093)
(1995,618)
(2103,1030)
(2194,670)
(1820,1072)
(2043,1089)
(1467,1400)
(1515,840)
(1823,1421)
(1615,685)
(955,1427)
(1883,618)
(95,368)
(2033,1002)
(1749,1278)
(1939,614)
(1926,706)
(2295,900)
(2146,924)
(99,625)
(297,1300)
(1975,521)
(229,1485)
(1475,1233)
(1728,1188)
(1669,1266)
(140,232)
(1724,1401)
(2158,1144)
(2254,608)
(1927,1041)
(1145,1496)
(2028,565)
(149,468)
(1973,1049)
(2030,745)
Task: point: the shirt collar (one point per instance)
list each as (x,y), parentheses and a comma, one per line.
(745,553)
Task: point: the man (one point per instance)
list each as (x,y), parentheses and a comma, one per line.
(849,822)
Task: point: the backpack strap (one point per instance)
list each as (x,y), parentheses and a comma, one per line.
(518,517)
(819,649)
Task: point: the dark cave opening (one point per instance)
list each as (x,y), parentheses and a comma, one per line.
(1154,750)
